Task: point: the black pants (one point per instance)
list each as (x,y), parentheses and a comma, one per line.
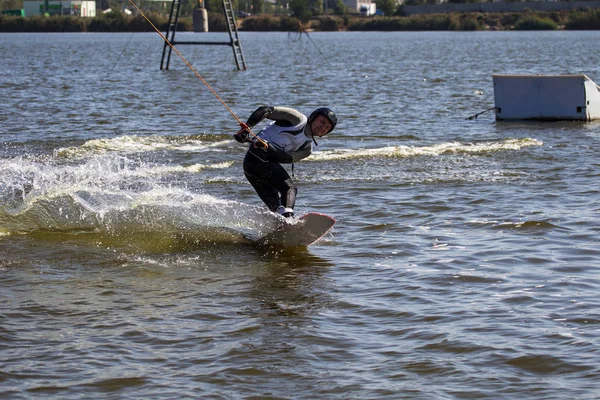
(270,180)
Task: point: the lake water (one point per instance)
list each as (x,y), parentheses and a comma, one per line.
(465,262)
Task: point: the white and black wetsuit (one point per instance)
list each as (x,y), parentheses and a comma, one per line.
(290,140)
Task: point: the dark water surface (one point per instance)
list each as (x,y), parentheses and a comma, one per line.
(464,264)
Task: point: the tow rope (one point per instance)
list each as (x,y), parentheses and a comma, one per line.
(474,116)
(242,124)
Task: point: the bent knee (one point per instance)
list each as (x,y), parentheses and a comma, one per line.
(290,185)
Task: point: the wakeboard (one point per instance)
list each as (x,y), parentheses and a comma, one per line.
(298,233)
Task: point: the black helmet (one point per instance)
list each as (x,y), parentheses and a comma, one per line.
(327,113)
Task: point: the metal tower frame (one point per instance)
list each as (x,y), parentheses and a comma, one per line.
(234,39)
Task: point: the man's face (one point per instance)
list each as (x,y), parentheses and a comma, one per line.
(320,126)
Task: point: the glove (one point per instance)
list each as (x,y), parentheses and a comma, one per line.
(242,135)
(261,144)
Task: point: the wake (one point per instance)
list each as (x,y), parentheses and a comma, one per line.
(112,197)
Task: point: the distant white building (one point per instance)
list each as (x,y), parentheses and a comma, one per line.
(79,8)
(364,4)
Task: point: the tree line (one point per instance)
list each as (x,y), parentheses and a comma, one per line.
(309,19)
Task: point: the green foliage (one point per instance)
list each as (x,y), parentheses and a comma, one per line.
(533,23)
(58,23)
(509,19)
(588,20)
(9,23)
(11,4)
(113,21)
(338,6)
(387,6)
(470,22)
(316,7)
(216,22)
(257,6)
(300,9)
(289,24)
(187,7)
(160,21)
(64,23)
(262,23)
(429,22)
(329,24)
(213,6)
(268,23)
(117,21)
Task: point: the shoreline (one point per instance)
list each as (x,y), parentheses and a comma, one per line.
(118,22)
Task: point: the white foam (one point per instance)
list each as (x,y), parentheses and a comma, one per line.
(139,144)
(115,195)
(433,150)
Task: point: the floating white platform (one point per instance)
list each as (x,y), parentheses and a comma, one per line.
(546,97)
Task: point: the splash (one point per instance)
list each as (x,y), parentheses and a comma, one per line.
(120,200)
(434,150)
(140,144)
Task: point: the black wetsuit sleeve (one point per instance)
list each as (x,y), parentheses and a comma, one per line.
(258,115)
